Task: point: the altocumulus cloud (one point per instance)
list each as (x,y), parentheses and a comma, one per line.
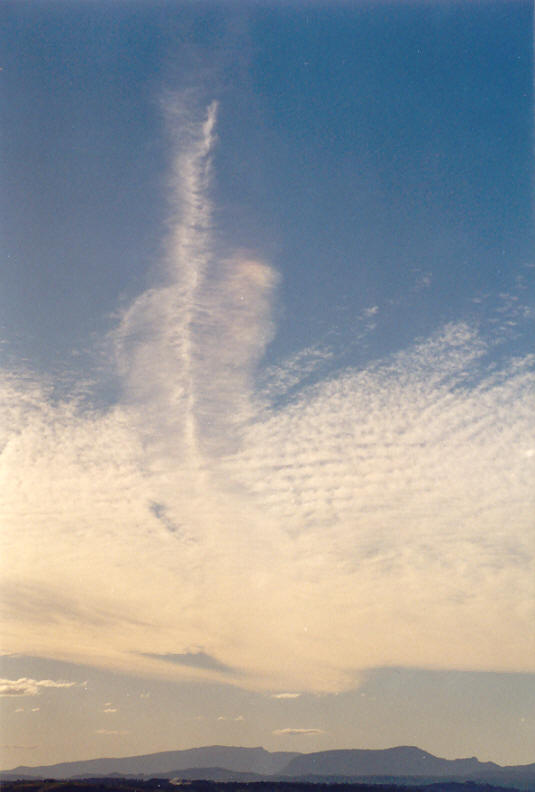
(297,732)
(379,517)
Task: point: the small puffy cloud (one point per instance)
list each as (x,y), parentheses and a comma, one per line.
(109,709)
(30,687)
(285,695)
(111,731)
(297,732)
(422,279)
(36,709)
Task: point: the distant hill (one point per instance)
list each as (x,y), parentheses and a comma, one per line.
(405,765)
(247,760)
(409,763)
(404,760)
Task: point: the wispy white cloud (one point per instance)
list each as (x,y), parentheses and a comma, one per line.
(110,732)
(378,516)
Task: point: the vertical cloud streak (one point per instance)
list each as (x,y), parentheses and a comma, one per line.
(186,349)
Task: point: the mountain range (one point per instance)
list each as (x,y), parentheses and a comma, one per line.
(402,765)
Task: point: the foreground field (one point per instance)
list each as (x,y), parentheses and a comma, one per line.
(152,785)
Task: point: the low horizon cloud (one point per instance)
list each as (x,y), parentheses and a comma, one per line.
(285,695)
(19,747)
(31,687)
(380,516)
(297,732)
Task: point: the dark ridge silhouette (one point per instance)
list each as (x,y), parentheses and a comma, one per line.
(405,765)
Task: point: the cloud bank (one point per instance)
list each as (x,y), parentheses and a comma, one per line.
(381,516)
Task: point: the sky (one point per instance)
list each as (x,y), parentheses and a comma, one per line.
(267,377)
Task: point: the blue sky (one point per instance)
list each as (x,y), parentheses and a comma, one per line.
(267,322)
